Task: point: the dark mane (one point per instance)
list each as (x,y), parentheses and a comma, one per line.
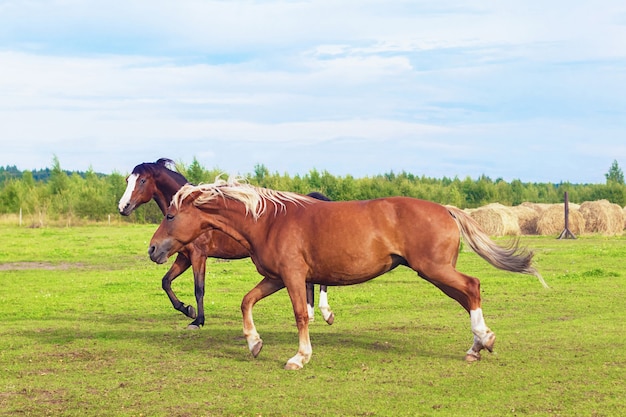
(162,165)
(319,196)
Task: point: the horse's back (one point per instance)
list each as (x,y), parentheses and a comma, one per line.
(352,241)
(381,213)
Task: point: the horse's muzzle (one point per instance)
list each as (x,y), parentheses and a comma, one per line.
(127,210)
(158,255)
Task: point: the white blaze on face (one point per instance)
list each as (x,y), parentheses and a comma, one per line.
(132,180)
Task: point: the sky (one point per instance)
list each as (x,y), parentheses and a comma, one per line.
(532,90)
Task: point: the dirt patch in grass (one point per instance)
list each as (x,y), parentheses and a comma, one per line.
(21,266)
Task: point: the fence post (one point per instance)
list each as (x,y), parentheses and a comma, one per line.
(566,233)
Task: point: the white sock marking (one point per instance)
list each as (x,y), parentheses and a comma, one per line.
(323,306)
(479,328)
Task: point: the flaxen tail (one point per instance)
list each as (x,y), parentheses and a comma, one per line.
(512,258)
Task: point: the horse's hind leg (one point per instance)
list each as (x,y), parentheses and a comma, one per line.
(179,266)
(310,300)
(260,291)
(484,338)
(466,291)
(327,313)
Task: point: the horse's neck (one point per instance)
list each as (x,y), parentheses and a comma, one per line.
(166,187)
(236,222)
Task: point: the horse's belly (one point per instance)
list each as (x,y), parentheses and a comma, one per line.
(348,273)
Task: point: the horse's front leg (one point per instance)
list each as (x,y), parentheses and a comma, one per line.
(198,263)
(297,293)
(261,290)
(179,266)
(327,313)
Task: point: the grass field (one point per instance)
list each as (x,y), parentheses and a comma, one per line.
(85,330)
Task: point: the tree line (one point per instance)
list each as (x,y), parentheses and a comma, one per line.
(80,196)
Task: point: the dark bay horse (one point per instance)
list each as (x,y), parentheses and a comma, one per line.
(156,181)
(294,239)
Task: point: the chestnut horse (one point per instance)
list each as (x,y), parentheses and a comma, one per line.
(156,181)
(294,239)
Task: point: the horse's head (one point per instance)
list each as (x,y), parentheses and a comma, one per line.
(150,180)
(181,225)
(140,187)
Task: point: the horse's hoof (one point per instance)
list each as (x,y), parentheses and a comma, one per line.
(292,366)
(193,327)
(472,357)
(490,342)
(256,349)
(331,318)
(191,312)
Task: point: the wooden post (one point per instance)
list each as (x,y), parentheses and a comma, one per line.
(566,233)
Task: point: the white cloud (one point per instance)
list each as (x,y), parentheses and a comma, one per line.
(431,78)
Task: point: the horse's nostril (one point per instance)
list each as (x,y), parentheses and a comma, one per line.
(151,250)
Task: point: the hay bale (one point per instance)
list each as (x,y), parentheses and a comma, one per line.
(527,217)
(551,221)
(624,212)
(538,207)
(496,220)
(603,217)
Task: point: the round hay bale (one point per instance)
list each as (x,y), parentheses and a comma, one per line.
(624,212)
(603,217)
(538,207)
(496,220)
(527,217)
(551,221)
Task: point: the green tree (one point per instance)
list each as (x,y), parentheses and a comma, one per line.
(11,196)
(92,199)
(195,173)
(615,174)
(28,179)
(261,173)
(116,185)
(59,181)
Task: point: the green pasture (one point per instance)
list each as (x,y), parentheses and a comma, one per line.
(85,330)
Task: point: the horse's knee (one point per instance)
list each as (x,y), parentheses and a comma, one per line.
(166,283)
(302,319)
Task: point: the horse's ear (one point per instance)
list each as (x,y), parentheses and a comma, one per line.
(167,163)
(186,196)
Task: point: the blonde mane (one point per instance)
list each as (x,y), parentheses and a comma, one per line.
(254,199)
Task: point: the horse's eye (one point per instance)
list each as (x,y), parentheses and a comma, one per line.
(143,181)
(169,216)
